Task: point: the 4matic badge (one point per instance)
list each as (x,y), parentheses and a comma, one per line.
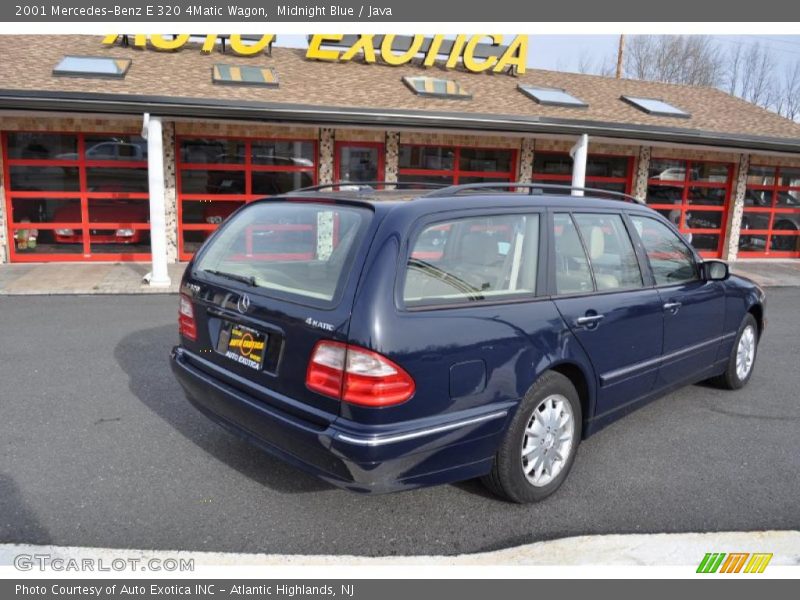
(319,324)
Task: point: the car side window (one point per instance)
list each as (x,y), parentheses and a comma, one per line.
(670,259)
(572,266)
(611,255)
(473,259)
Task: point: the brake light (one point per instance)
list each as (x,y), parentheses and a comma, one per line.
(187,326)
(357,376)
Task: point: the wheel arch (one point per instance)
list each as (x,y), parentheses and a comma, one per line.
(579,378)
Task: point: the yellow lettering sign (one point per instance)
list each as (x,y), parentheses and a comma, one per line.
(469,53)
(317,53)
(515,56)
(390,58)
(169,43)
(243,49)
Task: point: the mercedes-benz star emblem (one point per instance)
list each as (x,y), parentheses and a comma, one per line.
(243,304)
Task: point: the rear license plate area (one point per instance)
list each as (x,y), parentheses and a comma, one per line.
(243,345)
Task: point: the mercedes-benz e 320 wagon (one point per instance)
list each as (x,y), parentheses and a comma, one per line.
(386,340)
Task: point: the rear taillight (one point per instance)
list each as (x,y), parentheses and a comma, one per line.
(357,376)
(187,326)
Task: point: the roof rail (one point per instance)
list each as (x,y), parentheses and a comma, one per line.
(533,189)
(347,186)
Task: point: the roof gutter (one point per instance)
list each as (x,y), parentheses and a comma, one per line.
(335,115)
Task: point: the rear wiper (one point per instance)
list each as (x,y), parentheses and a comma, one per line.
(248,279)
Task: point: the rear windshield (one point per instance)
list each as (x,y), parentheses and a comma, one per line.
(293,248)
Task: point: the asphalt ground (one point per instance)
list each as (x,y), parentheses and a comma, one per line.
(98,447)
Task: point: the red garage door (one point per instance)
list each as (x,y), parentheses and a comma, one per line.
(76,196)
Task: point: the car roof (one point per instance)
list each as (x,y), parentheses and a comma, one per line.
(421,201)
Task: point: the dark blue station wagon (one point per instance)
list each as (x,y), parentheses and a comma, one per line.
(386,340)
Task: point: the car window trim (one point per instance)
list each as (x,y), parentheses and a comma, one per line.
(697,260)
(451,215)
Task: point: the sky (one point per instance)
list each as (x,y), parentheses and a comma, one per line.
(565,52)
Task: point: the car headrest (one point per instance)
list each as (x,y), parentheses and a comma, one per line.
(597,242)
(479,248)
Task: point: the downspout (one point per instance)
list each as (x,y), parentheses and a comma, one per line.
(578,153)
(152,132)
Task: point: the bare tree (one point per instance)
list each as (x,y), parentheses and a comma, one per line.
(789,105)
(691,60)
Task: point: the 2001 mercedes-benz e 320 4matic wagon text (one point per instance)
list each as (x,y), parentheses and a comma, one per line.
(390,339)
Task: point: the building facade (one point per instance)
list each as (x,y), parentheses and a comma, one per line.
(74,167)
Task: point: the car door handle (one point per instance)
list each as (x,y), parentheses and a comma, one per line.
(588,320)
(672,306)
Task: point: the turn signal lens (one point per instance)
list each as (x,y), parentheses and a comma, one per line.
(357,375)
(187,326)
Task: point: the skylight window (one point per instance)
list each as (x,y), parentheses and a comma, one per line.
(548,96)
(92,66)
(233,75)
(437,88)
(654,106)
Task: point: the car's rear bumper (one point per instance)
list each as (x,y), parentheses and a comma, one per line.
(364,458)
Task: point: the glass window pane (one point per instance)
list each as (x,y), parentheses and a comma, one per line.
(710,172)
(435,87)
(572,267)
(98,66)
(758,175)
(209,212)
(790,177)
(705,242)
(670,260)
(756,220)
(269,183)
(655,106)
(785,243)
(479,159)
(703,219)
(753,243)
(192,240)
(664,194)
(789,199)
(300,250)
(709,196)
(760,198)
(551,96)
(562,188)
(32,240)
(46,210)
(119,241)
(474,259)
(42,146)
(607,166)
(209,181)
(52,179)
(477,179)
(104,179)
(212,150)
(119,147)
(123,211)
(667,169)
(283,153)
(426,157)
(552,164)
(359,163)
(437,179)
(613,259)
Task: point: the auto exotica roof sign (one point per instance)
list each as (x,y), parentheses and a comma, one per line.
(477,53)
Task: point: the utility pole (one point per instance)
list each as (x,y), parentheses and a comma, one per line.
(620,54)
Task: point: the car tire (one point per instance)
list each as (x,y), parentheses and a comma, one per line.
(745,347)
(535,439)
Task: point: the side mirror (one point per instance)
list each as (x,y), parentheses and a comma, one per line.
(715,270)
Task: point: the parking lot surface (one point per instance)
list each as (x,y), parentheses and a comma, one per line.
(98,447)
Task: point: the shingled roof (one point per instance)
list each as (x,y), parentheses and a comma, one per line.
(185,77)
